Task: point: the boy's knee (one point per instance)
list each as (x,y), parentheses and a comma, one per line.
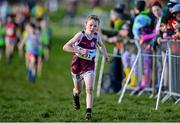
(89,90)
(77,91)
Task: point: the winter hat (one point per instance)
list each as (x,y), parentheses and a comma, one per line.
(140,5)
(118,12)
(176,8)
(172,3)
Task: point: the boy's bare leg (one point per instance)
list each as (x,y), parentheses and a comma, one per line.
(88,78)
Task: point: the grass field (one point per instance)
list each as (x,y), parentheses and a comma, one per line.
(50,98)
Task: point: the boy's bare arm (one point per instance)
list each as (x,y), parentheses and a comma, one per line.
(102,48)
(68,47)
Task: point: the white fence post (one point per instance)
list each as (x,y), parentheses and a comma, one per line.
(100,77)
(96,65)
(161,81)
(126,84)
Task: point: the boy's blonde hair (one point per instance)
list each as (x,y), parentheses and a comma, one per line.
(93,17)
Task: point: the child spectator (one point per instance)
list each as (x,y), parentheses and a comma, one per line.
(128,55)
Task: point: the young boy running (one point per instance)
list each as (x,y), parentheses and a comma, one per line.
(83,45)
(33,43)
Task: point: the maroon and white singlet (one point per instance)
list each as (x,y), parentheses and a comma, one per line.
(81,65)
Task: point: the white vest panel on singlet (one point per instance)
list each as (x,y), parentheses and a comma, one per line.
(91,52)
(89,56)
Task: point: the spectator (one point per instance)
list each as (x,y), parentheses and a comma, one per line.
(143,34)
(115,70)
(157,11)
(128,55)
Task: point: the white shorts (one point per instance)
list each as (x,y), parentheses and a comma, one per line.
(80,77)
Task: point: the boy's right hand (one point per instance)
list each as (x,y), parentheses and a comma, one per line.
(83,51)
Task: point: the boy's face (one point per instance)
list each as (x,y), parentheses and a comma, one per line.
(92,26)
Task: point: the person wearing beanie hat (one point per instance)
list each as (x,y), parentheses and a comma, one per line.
(121,6)
(117,12)
(125,10)
(116,17)
(115,70)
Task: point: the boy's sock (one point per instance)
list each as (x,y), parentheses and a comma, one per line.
(89,110)
(76,103)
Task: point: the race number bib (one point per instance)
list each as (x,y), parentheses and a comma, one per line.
(89,56)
